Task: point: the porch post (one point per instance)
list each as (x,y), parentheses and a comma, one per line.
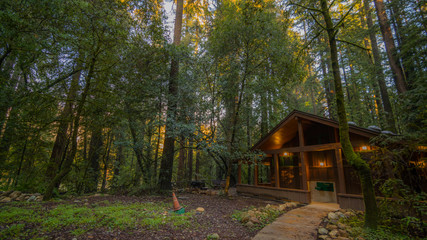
(239,172)
(304,160)
(255,173)
(341,177)
(276,170)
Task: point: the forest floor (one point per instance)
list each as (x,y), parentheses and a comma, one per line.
(125,217)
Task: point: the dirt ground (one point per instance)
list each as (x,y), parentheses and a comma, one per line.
(216,218)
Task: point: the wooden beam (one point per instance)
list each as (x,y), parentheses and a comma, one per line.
(340,168)
(320,147)
(277,170)
(256,174)
(302,156)
(337,135)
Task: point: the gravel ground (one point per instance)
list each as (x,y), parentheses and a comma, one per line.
(215,219)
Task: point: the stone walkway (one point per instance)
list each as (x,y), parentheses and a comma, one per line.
(297,224)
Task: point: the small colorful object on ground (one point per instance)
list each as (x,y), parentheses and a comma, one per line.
(176,207)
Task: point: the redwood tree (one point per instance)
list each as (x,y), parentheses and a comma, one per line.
(166,166)
(363,169)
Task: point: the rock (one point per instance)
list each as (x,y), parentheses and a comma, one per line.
(344,238)
(343,233)
(249,224)
(251,213)
(77,201)
(5,194)
(341,225)
(268,206)
(254,220)
(6,199)
(322,236)
(332,216)
(245,218)
(334,221)
(36,194)
(32,199)
(15,194)
(74,239)
(322,231)
(291,204)
(86,204)
(333,233)
(282,207)
(331,227)
(341,215)
(213,236)
(200,209)
(349,214)
(20,198)
(39,198)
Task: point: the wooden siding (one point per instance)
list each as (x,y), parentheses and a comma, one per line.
(291,194)
(351,201)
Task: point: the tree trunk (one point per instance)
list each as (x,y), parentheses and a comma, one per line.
(8,135)
(379,74)
(70,157)
(371,210)
(21,161)
(118,162)
(137,144)
(197,164)
(398,74)
(190,159)
(181,163)
(166,166)
(106,162)
(54,164)
(328,88)
(95,154)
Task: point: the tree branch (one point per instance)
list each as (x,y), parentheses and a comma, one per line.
(330,5)
(354,44)
(340,22)
(318,23)
(61,79)
(309,43)
(307,8)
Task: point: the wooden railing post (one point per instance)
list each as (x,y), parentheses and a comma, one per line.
(276,170)
(304,161)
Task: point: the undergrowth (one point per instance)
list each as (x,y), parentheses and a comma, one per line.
(19,222)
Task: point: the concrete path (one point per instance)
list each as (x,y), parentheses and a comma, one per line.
(297,224)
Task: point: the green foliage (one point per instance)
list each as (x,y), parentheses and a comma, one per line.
(78,220)
(385,230)
(265,215)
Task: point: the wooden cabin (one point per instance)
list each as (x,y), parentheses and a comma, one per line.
(303,162)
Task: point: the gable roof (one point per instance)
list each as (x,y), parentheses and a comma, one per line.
(313,118)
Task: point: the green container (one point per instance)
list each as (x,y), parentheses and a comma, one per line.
(322,186)
(180,211)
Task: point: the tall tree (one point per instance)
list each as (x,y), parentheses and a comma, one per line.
(371,215)
(398,74)
(166,166)
(379,70)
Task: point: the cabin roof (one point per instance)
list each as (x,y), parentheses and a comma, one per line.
(288,127)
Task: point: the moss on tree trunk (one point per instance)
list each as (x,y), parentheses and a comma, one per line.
(362,168)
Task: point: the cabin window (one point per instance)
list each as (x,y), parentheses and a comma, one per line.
(322,166)
(289,171)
